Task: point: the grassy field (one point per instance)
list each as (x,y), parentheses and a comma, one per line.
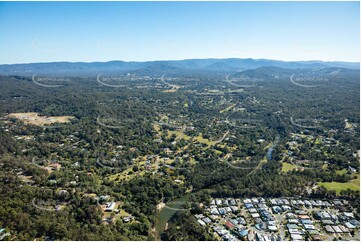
(140,162)
(199,138)
(35,119)
(339,186)
(228,108)
(179,134)
(288,167)
(341,172)
(156,127)
(124,175)
(122,213)
(170,90)
(208,142)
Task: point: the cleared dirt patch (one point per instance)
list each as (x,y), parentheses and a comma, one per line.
(170,90)
(35,119)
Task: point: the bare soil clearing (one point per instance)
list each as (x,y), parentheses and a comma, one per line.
(35,119)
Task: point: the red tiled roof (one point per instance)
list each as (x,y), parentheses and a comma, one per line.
(229,225)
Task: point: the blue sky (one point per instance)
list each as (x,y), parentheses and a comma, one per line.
(139,31)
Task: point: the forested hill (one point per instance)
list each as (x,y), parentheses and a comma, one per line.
(152,67)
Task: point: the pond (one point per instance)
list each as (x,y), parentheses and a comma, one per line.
(166,213)
(171,208)
(270,150)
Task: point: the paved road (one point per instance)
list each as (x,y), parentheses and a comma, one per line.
(233,84)
(301,85)
(167,83)
(222,138)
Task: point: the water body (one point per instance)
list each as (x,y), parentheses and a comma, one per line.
(269,153)
(270,150)
(171,208)
(166,213)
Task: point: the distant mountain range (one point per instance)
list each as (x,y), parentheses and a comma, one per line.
(160,67)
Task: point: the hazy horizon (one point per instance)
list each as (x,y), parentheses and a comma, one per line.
(149,31)
(105,61)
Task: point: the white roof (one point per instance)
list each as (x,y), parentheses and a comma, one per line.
(272,228)
(296,237)
(294,231)
(110,206)
(350,215)
(201,222)
(309,226)
(337,229)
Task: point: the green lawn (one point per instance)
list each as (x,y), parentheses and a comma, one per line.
(199,138)
(202,140)
(122,212)
(288,167)
(180,135)
(341,172)
(339,186)
(228,108)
